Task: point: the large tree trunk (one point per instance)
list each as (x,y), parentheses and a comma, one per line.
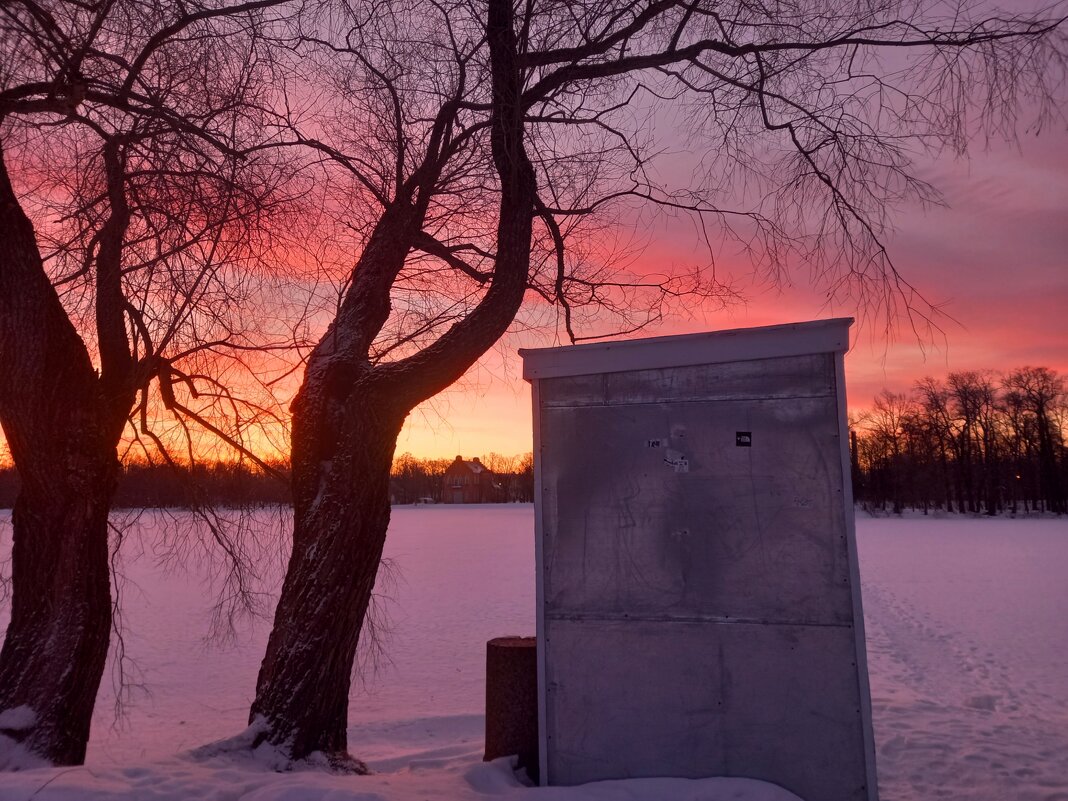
(62,440)
(342,455)
(57,641)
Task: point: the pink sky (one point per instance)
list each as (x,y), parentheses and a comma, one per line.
(995,262)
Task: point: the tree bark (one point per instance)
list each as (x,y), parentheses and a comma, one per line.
(342,454)
(57,640)
(62,439)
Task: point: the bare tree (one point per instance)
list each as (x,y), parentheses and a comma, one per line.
(973,399)
(1037,392)
(348,412)
(126,217)
(481,143)
(939,431)
(887,441)
(973,442)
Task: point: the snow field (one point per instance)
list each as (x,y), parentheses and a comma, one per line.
(967,633)
(967,648)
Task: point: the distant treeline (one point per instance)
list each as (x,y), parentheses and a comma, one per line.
(414,480)
(143,485)
(976,442)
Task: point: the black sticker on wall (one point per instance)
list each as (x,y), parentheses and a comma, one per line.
(744,439)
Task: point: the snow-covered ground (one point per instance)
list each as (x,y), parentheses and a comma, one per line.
(967,626)
(967,641)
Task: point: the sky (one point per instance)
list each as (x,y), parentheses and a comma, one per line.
(993,261)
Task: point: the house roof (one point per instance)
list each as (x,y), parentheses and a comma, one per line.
(474,465)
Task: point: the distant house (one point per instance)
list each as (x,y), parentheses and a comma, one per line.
(469,482)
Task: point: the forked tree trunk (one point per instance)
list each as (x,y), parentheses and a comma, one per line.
(341,471)
(62,440)
(346,419)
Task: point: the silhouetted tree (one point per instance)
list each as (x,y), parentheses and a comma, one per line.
(124,210)
(523,481)
(478,144)
(886,446)
(938,432)
(1037,391)
(969,444)
(417,479)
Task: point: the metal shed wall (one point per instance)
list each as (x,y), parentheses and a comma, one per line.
(699,611)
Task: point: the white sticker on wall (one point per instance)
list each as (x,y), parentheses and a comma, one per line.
(677,460)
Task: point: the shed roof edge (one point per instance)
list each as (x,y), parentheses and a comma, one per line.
(683,350)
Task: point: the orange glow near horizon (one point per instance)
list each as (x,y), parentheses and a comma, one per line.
(994,262)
